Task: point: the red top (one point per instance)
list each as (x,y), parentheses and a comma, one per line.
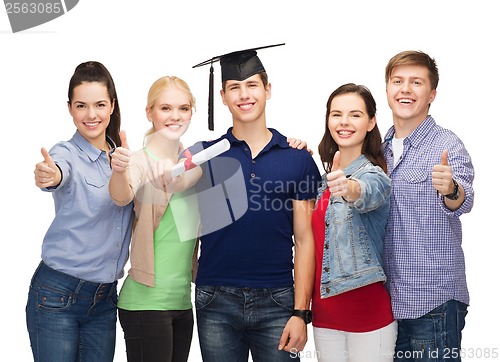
(360,310)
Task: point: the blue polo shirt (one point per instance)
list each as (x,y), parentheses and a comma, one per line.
(246,212)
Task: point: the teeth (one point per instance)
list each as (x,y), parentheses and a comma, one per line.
(245,106)
(406,101)
(345,133)
(92,124)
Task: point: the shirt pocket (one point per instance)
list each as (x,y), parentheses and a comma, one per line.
(97,192)
(414,185)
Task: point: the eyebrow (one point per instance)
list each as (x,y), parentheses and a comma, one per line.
(101,101)
(351,111)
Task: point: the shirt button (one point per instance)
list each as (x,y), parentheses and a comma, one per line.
(326,269)
(252,175)
(328,290)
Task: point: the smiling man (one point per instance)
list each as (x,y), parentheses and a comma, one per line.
(432,174)
(255,275)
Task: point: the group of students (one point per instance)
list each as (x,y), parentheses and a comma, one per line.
(369,252)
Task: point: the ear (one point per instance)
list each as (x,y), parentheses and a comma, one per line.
(268,90)
(222,94)
(371,123)
(69,109)
(433,96)
(148,114)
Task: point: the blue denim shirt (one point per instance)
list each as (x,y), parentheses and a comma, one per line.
(354,232)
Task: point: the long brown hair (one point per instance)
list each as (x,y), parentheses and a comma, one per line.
(93,71)
(372,144)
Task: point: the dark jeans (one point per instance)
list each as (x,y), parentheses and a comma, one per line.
(157,336)
(70,319)
(434,337)
(234,321)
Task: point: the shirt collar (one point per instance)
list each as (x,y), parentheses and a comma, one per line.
(90,150)
(359,162)
(418,134)
(277,140)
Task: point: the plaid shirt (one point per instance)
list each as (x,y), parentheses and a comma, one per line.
(423,256)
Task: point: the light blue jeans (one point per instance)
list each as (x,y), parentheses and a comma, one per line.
(434,337)
(233,321)
(70,319)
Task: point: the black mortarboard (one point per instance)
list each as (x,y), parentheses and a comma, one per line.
(238,65)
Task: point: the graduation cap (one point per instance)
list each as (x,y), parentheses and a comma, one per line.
(238,65)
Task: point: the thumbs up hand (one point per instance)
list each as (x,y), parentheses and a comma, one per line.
(337,182)
(121,155)
(442,177)
(46,172)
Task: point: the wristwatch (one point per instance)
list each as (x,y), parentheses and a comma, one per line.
(456,192)
(306,315)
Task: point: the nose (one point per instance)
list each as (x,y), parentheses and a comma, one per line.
(406,87)
(344,120)
(92,113)
(243,92)
(175,115)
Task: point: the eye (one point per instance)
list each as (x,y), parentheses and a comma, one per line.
(165,108)
(186,109)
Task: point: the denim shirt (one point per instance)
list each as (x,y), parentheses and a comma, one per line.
(354,231)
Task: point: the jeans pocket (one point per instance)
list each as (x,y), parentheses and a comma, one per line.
(284,297)
(52,299)
(204,295)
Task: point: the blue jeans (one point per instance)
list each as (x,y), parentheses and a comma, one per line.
(233,321)
(434,337)
(70,319)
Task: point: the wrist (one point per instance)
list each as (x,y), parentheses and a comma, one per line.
(305,315)
(455,194)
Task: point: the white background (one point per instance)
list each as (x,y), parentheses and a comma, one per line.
(328,43)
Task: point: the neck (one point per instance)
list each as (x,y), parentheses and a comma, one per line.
(255,137)
(404,127)
(162,147)
(347,155)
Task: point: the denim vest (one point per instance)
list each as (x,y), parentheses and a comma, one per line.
(354,231)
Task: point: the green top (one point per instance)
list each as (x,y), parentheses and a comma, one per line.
(174,242)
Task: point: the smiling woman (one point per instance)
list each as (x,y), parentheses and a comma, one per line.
(91,109)
(86,247)
(155,308)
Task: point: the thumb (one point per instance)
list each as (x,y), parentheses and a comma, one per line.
(336,161)
(123,138)
(444,158)
(47,159)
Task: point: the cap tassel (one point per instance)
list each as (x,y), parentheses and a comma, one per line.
(211,98)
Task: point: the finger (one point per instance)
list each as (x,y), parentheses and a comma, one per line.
(48,160)
(444,158)
(285,337)
(336,161)
(123,138)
